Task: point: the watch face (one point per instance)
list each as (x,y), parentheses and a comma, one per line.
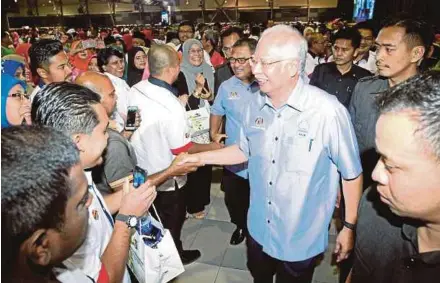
(132,222)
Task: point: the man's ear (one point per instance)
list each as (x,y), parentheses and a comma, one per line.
(38,248)
(78,141)
(417,54)
(293,68)
(42,73)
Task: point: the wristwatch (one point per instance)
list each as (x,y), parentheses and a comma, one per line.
(130,220)
(349,225)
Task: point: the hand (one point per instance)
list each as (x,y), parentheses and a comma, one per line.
(344,244)
(217,138)
(216,145)
(25,112)
(188,158)
(137,201)
(183,165)
(184,99)
(200,81)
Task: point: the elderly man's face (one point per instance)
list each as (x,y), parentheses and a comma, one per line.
(271,66)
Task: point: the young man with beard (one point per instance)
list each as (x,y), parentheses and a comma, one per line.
(400,47)
(45,203)
(77,112)
(233,95)
(49,62)
(340,76)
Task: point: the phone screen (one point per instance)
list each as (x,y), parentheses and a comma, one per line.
(131,116)
(139,176)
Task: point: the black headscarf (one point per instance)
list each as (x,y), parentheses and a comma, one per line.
(134,75)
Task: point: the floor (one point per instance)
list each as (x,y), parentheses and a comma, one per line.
(220,262)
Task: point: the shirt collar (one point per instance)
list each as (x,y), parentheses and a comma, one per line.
(365,57)
(312,54)
(165,85)
(296,98)
(409,231)
(252,84)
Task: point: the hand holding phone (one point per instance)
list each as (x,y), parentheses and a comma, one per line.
(131,118)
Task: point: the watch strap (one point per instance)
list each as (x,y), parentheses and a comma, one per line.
(122,217)
(349,225)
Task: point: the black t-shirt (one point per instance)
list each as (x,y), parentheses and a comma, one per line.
(327,77)
(386,247)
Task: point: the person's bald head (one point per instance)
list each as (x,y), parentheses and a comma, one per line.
(102,85)
(163,62)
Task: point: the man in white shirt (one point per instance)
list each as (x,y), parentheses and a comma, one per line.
(49,62)
(77,112)
(366,58)
(316,52)
(163,134)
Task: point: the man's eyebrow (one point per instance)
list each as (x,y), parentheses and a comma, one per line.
(385,44)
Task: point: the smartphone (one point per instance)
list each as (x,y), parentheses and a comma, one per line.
(131,118)
(139,176)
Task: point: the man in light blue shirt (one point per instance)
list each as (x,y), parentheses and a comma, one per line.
(233,95)
(299,142)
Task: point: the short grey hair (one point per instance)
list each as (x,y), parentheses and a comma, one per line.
(160,57)
(290,38)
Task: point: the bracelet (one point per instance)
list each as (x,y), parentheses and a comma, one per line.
(349,225)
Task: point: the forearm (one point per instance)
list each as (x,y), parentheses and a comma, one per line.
(113,201)
(352,190)
(198,147)
(215,122)
(115,255)
(226,156)
(159,178)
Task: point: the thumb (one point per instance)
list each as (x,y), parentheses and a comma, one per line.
(337,248)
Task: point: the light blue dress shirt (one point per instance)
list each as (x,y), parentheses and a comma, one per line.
(232,96)
(297,154)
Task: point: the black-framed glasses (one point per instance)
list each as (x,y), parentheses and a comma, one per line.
(239,60)
(20,95)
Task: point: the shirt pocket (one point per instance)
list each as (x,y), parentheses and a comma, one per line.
(298,154)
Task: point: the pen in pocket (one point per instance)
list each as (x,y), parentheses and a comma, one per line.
(310,144)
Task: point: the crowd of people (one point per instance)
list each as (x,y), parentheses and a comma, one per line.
(304,119)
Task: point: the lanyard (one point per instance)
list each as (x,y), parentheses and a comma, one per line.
(109,217)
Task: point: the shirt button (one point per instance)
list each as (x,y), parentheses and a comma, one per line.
(268,221)
(340,80)
(279,116)
(276,138)
(337,92)
(273,161)
(269,202)
(270,183)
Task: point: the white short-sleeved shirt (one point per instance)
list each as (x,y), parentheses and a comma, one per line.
(88,257)
(164,130)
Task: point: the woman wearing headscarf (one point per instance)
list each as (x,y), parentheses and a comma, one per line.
(15,103)
(137,59)
(195,85)
(14,65)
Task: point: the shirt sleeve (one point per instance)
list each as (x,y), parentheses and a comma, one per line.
(218,107)
(353,103)
(118,163)
(342,145)
(177,132)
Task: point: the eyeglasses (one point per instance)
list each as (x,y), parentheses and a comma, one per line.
(20,95)
(185,31)
(195,51)
(266,63)
(232,60)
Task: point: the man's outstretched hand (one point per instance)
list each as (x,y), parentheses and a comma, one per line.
(184,163)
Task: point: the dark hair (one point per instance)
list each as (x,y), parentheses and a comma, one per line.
(171,35)
(350,34)
(35,164)
(42,51)
(66,107)
(185,23)
(211,36)
(417,33)
(366,25)
(249,42)
(422,94)
(105,54)
(255,30)
(232,30)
